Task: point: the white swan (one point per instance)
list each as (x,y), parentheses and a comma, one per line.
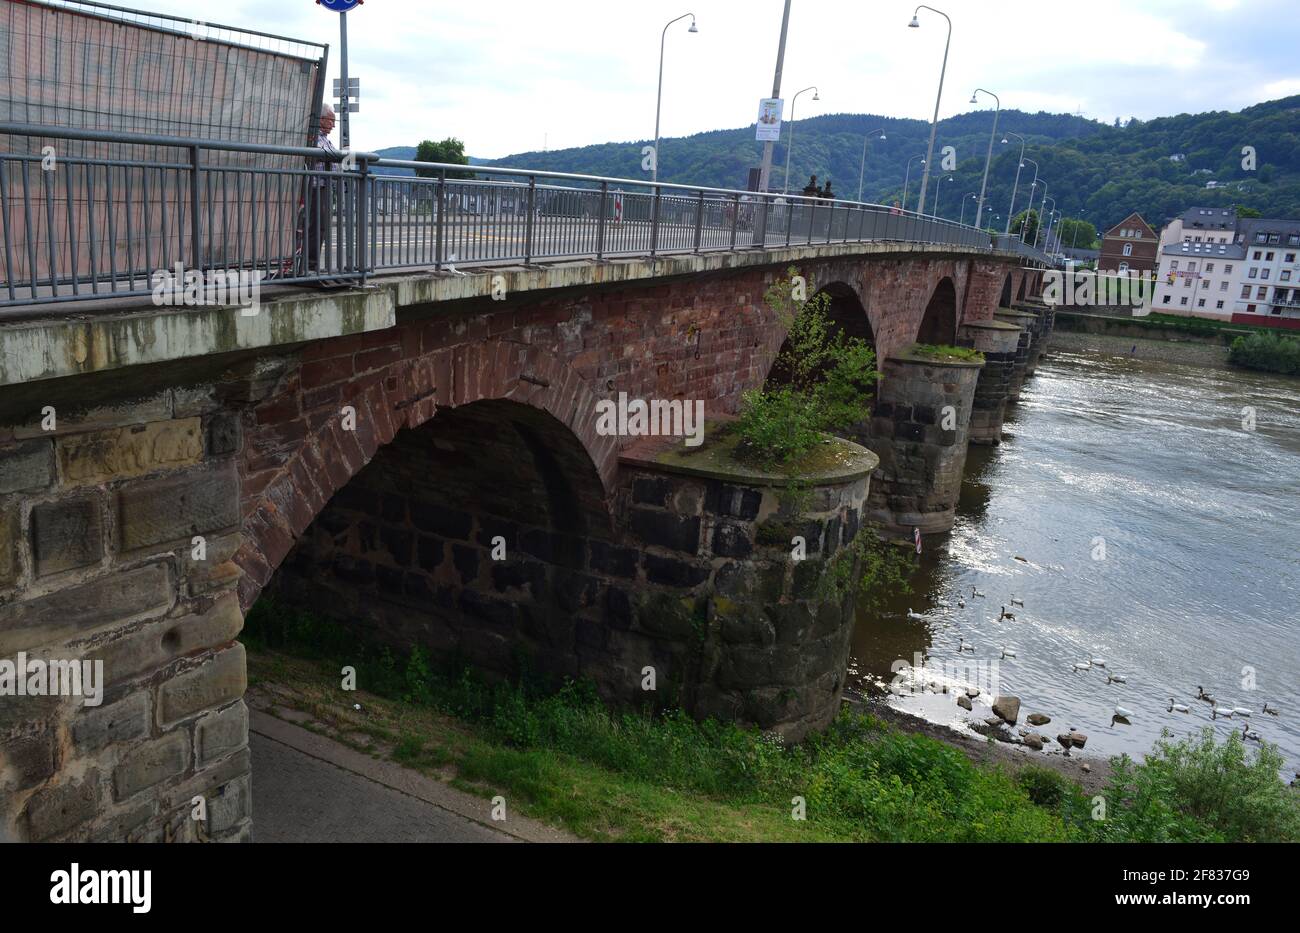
(1007,654)
(974,593)
(1242,711)
(1098,662)
(1121,715)
(1083,665)
(962,646)
(1176,707)
(1217,711)
(914,615)
(1017,601)
(1115,679)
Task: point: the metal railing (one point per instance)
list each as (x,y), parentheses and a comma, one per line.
(139,209)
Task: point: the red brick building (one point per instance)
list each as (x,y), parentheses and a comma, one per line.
(1129,246)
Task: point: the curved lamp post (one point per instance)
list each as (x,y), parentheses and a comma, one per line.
(862,169)
(1042,207)
(988,159)
(970,196)
(654,176)
(789,146)
(907,177)
(934,209)
(934,123)
(1020,163)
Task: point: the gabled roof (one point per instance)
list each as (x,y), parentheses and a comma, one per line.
(1131,220)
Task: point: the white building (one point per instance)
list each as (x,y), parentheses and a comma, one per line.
(1214,264)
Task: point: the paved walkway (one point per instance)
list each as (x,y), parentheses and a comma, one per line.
(308,788)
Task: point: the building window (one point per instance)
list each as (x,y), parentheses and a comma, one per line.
(1254,273)
(1264,273)
(1166,299)
(1183,301)
(1209,267)
(1250,309)
(1290,257)
(1205,283)
(1223,286)
(1268,257)
(1245,291)
(1187,281)
(1173,264)
(1286,275)
(1257,255)
(1128,249)
(1227,270)
(1123,266)
(1219,305)
(1200,303)
(1261,294)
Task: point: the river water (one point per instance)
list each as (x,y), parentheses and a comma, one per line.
(1154,533)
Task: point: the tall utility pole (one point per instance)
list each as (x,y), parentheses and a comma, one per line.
(766,171)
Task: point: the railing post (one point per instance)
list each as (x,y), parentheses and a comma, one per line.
(196,249)
(766,211)
(654,220)
(735,219)
(528,221)
(812,217)
(789,221)
(362,225)
(600,223)
(699,221)
(440,205)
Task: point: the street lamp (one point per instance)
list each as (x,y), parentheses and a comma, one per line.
(862,169)
(907,177)
(1052,218)
(970,196)
(789,146)
(654,176)
(934,210)
(1043,206)
(1020,163)
(934,123)
(988,159)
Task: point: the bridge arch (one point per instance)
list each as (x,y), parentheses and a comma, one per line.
(403,395)
(939,322)
(847,314)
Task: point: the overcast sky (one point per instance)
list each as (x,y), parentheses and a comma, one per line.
(512,75)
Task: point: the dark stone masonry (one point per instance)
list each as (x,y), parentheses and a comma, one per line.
(430,472)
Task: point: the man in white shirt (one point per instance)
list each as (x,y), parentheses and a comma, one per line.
(320,193)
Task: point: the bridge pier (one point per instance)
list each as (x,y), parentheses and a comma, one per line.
(919,430)
(998,341)
(1023,322)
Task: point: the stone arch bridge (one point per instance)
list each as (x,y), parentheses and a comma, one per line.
(161,468)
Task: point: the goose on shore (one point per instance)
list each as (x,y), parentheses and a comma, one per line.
(1271,712)
(914,615)
(1176,707)
(1005,615)
(1115,679)
(1202,695)
(975,593)
(1006,653)
(1217,711)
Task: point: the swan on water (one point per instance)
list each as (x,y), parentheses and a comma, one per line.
(1176,707)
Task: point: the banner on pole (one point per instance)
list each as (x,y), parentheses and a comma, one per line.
(768,127)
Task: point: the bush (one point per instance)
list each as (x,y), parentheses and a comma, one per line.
(1196,790)
(822,381)
(1268,352)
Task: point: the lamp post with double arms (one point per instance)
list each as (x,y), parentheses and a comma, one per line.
(863,168)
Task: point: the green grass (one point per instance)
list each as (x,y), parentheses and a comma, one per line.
(936,352)
(566,758)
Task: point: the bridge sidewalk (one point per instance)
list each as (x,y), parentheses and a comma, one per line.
(309,788)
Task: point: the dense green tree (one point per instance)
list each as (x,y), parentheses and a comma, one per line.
(450,151)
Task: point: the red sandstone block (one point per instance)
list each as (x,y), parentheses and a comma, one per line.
(378,358)
(281,408)
(323,372)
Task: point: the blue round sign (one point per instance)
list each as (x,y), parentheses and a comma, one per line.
(339,6)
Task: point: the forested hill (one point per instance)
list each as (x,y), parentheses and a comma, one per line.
(1103,171)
